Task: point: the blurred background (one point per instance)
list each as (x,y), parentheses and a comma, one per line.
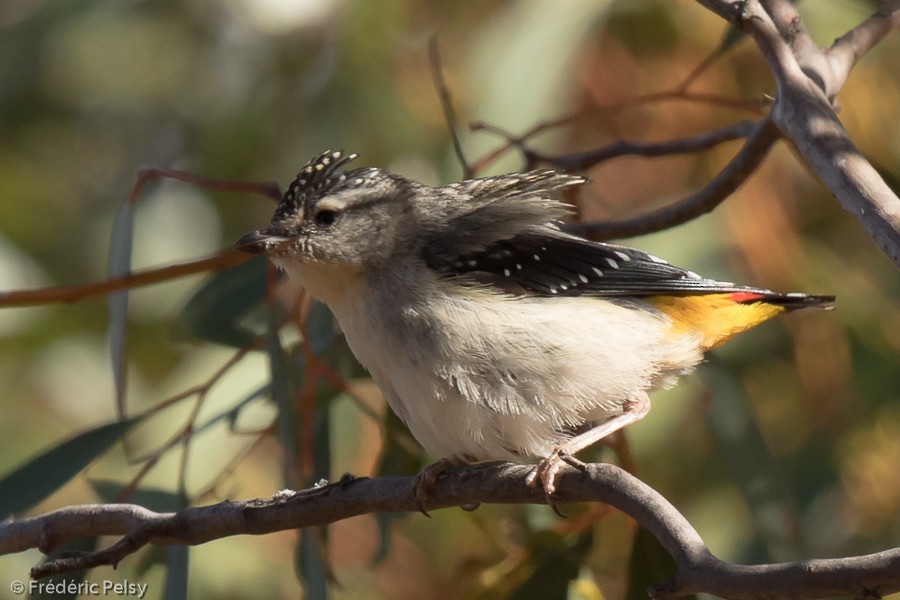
(785,445)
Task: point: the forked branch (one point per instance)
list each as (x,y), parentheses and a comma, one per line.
(806,77)
(697,569)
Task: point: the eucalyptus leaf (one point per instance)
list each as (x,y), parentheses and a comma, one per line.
(218,311)
(47,472)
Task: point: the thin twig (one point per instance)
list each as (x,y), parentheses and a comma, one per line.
(437,73)
(77,293)
(848,49)
(269,189)
(678,94)
(701,202)
(579,161)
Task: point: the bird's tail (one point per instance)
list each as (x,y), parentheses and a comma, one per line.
(717,317)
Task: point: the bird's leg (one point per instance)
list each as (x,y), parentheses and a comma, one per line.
(428,476)
(548,468)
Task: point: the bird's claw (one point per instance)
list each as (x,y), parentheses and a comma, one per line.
(424,482)
(547,471)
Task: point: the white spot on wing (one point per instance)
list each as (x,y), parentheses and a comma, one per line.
(597,271)
(612,263)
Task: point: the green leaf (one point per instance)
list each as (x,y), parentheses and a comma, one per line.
(154,499)
(320,328)
(732,36)
(47,472)
(82,545)
(756,471)
(218,311)
(152,556)
(554,568)
(282,390)
(177,558)
(120,246)
(231,415)
(650,563)
(310,563)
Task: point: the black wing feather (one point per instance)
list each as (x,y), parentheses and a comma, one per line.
(547,262)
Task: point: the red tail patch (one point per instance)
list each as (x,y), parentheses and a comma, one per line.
(742,297)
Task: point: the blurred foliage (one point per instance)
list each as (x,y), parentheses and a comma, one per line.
(784,446)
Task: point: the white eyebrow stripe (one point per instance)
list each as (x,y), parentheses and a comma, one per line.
(332,203)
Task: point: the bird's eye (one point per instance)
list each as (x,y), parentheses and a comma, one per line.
(325,217)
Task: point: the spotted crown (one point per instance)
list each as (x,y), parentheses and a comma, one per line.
(318,177)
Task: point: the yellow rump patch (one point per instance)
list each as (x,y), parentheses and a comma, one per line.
(717,317)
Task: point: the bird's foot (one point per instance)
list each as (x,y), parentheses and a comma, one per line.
(425,481)
(547,471)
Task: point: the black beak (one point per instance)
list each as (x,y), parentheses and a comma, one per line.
(261,241)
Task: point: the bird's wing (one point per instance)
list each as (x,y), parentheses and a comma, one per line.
(545,261)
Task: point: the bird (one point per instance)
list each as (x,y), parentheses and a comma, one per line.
(493,333)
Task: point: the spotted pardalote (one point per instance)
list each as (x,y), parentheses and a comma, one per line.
(492,333)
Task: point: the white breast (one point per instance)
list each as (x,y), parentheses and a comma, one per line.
(474,372)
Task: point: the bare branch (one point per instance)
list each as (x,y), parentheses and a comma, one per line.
(790,26)
(443,91)
(265,188)
(679,94)
(803,113)
(697,569)
(868,576)
(853,45)
(579,161)
(77,293)
(703,201)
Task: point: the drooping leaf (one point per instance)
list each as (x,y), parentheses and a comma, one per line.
(177,560)
(757,473)
(310,563)
(320,328)
(154,499)
(88,544)
(50,470)
(218,311)
(554,568)
(231,415)
(650,563)
(732,36)
(120,246)
(282,390)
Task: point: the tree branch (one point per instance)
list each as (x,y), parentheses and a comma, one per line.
(443,91)
(76,293)
(697,569)
(579,161)
(803,113)
(846,51)
(701,202)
